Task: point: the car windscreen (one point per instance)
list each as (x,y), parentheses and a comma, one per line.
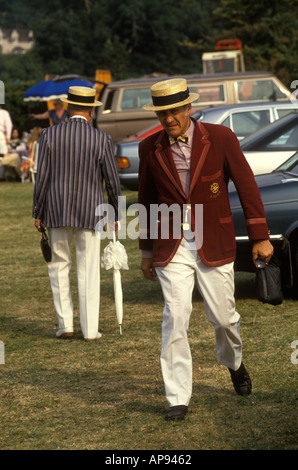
(290,166)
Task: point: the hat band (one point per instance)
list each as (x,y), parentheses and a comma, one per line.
(80,99)
(170,99)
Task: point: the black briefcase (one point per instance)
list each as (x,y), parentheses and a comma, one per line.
(268,281)
(45,246)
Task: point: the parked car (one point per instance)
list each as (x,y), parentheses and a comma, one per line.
(263,157)
(270,146)
(245,119)
(122,112)
(279,192)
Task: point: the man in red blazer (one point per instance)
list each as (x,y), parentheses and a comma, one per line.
(187,233)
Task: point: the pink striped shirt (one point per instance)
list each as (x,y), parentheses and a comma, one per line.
(181,152)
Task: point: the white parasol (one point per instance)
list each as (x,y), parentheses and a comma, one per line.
(114,258)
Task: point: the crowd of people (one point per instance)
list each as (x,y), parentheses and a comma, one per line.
(18,149)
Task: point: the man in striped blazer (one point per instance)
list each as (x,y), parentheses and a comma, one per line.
(73,160)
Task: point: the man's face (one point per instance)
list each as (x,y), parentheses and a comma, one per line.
(58,105)
(175,121)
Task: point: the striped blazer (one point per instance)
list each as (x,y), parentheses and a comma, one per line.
(73,160)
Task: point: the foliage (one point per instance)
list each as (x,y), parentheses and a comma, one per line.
(117,55)
(132,38)
(18,109)
(140,37)
(268,31)
(21,67)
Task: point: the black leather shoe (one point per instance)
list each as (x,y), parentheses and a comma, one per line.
(176,413)
(241,380)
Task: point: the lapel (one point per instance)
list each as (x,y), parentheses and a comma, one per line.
(164,156)
(200,148)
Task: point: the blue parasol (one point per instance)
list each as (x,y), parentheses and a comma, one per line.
(51,89)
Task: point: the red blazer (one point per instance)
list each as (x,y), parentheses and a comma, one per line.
(216,158)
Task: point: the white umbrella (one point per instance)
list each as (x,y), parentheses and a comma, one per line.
(114,258)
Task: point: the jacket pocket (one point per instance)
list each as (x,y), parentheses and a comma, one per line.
(206,178)
(212,186)
(226,220)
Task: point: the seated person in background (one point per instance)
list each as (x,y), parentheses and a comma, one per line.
(29,161)
(16,143)
(58,115)
(15,139)
(12,166)
(5,130)
(12,160)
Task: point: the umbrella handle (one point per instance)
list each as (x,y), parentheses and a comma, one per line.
(114,236)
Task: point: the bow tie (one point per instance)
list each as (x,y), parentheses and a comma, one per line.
(183,138)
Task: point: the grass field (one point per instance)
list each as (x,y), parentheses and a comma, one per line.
(108,395)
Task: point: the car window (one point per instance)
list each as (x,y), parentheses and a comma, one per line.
(258,90)
(209,93)
(109,100)
(220,65)
(283,111)
(245,123)
(290,165)
(288,140)
(135,98)
(294,169)
(227,122)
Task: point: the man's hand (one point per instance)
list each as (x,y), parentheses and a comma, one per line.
(262,249)
(148,269)
(38,225)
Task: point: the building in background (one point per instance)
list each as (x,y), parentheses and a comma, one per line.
(16,41)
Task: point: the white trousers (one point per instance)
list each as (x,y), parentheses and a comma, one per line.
(88,276)
(216,285)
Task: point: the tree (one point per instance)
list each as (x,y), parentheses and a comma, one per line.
(268,31)
(131,38)
(139,37)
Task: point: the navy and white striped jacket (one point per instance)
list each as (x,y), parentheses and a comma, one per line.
(73,160)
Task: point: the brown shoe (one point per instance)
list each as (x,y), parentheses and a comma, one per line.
(66,336)
(176,413)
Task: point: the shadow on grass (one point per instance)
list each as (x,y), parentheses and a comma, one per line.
(140,290)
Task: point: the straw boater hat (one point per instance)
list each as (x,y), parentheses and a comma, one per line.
(82,96)
(169,94)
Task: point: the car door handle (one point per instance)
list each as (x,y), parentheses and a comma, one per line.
(289,180)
